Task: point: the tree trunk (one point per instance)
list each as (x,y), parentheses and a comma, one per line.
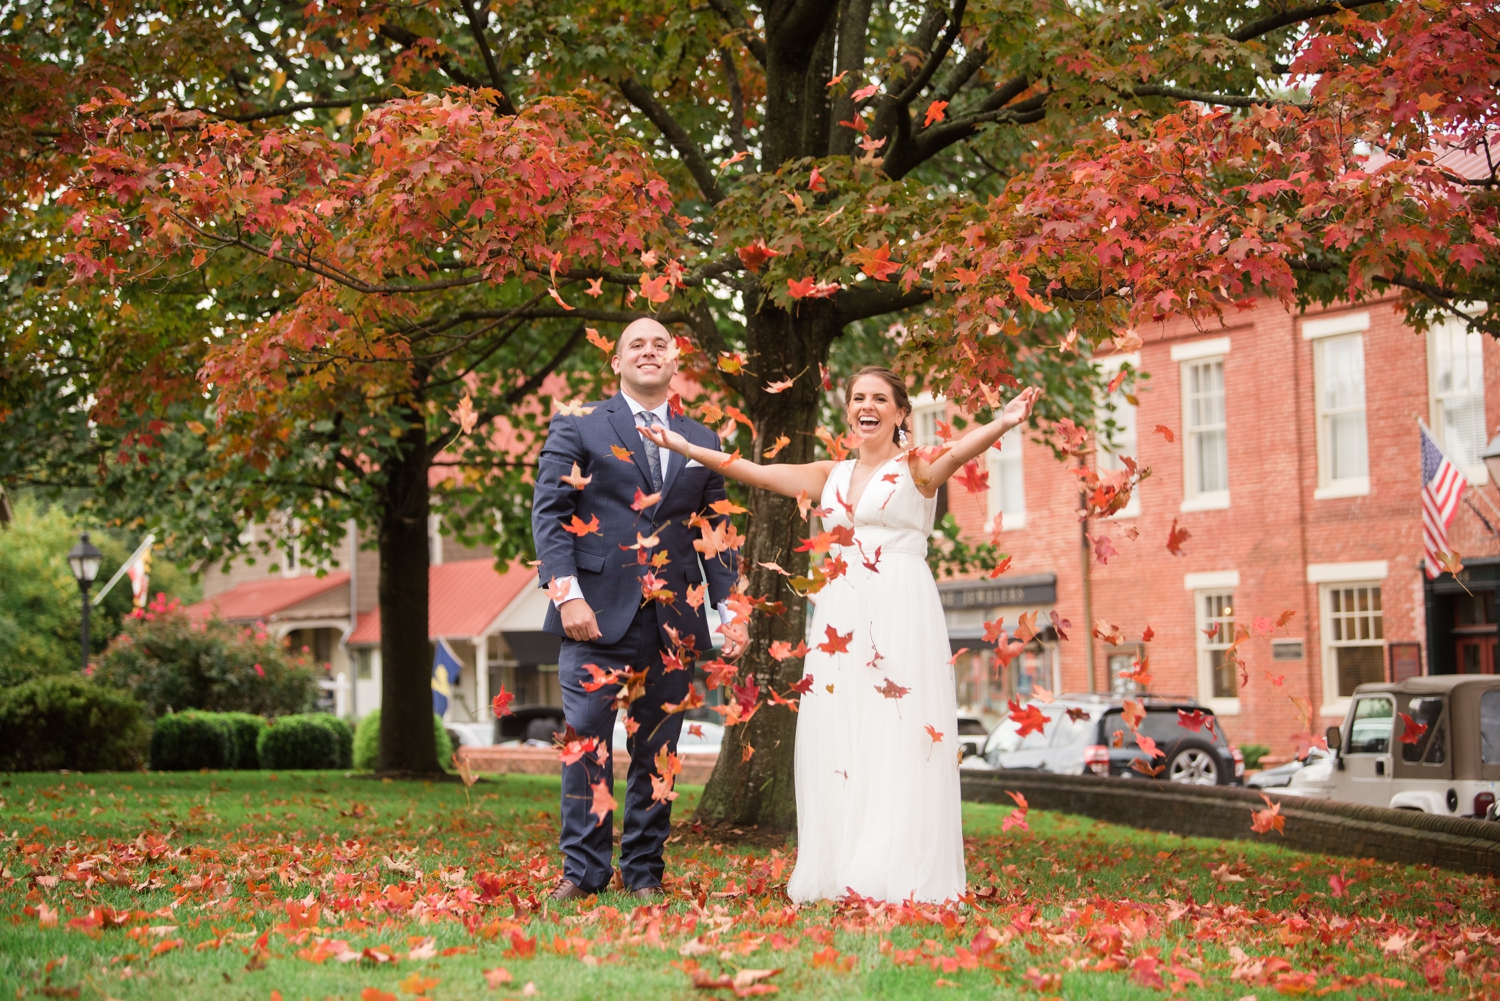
(406,735)
(759,789)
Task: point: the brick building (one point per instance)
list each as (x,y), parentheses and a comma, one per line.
(1295,468)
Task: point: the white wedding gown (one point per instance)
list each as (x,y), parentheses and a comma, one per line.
(877,797)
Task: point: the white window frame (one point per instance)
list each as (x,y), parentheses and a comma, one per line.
(1011,454)
(1129,444)
(1197,354)
(1454,329)
(1319,331)
(924,406)
(1328,577)
(1203,586)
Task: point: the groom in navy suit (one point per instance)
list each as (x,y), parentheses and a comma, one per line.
(599,602)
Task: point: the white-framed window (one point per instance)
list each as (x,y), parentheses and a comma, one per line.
(1123,441)
(1353,637)
(1455,366)
(1205,444)
(1218,674)
(1343,453)
(1007,481)
(926,411)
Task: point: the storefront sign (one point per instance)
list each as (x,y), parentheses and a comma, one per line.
(1036,589)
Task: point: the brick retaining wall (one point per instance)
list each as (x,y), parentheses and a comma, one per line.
(696,768)
(1345,829)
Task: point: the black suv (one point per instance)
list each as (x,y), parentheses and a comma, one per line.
(1094,739)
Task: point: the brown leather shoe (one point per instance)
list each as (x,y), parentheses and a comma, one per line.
(648,892)
(566,889)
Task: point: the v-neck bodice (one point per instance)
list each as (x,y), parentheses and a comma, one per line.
(891,512)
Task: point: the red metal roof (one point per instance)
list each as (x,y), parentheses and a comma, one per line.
(462,600)
(261,599)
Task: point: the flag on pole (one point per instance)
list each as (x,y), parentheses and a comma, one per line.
(140,577)
(445,670)
(1442,486)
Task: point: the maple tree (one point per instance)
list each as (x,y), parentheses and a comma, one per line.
(980,179)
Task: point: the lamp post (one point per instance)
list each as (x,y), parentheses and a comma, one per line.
(83,560)
(1491,458)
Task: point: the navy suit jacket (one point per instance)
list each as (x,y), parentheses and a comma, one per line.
(608,574)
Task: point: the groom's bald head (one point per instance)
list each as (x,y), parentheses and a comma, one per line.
(645,360)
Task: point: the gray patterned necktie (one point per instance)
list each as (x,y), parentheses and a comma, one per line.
(653,454)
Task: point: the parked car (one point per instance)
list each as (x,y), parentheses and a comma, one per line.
(972,734)
(1093,738)
(1319,760)
(1430,744)
(688,743)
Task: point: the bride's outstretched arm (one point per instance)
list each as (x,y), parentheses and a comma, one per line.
(931,475)
(785,478)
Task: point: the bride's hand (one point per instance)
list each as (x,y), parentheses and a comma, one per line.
(664,437)
(1018,409)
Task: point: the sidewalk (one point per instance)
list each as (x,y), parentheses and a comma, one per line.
(696,768)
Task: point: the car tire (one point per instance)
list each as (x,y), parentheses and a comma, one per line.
(1195,763)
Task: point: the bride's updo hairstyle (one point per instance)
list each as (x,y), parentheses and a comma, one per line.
(898,396)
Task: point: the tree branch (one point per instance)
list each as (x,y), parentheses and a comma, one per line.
(1205,97)
(936,57)
(294,107)
(697,164)
(410,40)
(854,28)
(1268,24)
(737,21)
(906,156)
(860,303)
(736,102)
(504,105)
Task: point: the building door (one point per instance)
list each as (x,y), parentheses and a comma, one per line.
(1474,633)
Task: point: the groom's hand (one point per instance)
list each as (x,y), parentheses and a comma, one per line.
(578,620)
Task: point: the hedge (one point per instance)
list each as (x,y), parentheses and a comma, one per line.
(66,721)
(188,741)
(367,742)
(309,741)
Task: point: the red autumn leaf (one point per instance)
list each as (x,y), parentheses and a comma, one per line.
(500,704)
(756,255)
(936,111)
(782,650)
(1165,432)
(643,500)
(655,289)
(801,289)
(1029,718)
(1269,819)
(603,803)
(972,478)
(891,690)
(836,642)
(581,528)
(740,417)
(1411,730)
(1175,538)
(1132,711)
(875,262)
(621,453)
(599,341)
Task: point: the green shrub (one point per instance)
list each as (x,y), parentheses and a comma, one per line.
(66,721)
(172,662)
(342,732)
(188,741)
(246,728)
(367,742)
(1253,753)
(298,742)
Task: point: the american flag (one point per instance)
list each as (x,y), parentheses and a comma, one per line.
(1442,486)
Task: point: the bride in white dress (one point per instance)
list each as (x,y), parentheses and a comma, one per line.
(876,759)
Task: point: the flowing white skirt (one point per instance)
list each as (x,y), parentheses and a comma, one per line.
(877,797)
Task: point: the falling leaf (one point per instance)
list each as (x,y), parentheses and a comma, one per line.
(837,79)
(559,299)
(655,289)
(464,415)
(595,289)
(643,500)
(732,362)
(575,409)
(782,441)
(972,478)
(891,690)
(1029,718)
(599,341)
(780,386)
(576,479)
(865,92)
(578,527)
(756,255)
(1175,538)
(1132,711)
(936,112)
(1411,730)
(622,453)
(815,182)
(1262,821)
(836,642)
(603,803)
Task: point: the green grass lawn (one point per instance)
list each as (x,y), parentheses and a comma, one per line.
(313,885)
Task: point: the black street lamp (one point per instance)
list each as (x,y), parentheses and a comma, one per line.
(83,560)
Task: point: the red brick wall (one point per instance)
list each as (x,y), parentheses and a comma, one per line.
(1273,528)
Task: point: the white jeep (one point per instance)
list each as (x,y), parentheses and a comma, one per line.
(1446,761)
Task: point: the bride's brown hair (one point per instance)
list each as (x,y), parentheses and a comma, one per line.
(898,395)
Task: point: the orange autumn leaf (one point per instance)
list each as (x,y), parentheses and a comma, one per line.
(599,341)
(782,441)
(622,453)
(1269,819)
(836,642)
(577,526)
(576,479)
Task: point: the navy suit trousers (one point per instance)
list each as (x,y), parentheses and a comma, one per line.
(587,844)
